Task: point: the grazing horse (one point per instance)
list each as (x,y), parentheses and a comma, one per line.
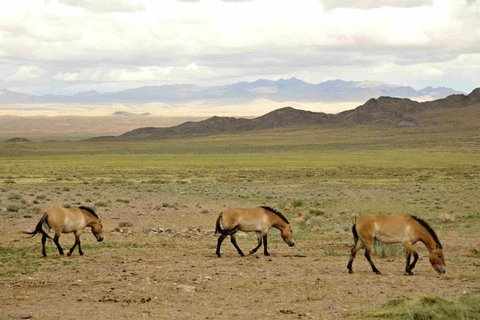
(258,220)
(404,229)
(67,220)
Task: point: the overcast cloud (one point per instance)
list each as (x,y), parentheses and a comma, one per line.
(66,46)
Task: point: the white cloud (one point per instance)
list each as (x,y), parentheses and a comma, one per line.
(27,73)
(105,6)
(369,4)
(100,43)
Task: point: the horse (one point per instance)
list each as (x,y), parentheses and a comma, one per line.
(402,228)
(67,220)
(258,220)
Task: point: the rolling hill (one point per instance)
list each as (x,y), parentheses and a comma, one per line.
(398,112)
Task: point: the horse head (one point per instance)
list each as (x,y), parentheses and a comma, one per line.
(437,260)
(97,230)
(287,235)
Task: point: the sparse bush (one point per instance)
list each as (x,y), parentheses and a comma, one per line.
(384,250)
(101,204)
(317,212)
(169,205)
(13,207)
(14,196)
(125,224)
(297,203)
(445,218)
(123,200)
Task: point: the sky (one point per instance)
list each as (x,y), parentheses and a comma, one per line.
(69,46)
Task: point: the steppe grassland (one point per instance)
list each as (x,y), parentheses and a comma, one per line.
(321,178)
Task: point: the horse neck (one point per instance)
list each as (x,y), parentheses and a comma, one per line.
(278,222)
(427,239)
(89,219)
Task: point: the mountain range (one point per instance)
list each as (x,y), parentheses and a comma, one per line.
(291,89)
(391,111)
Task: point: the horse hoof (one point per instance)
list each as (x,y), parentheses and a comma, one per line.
(377,272)
(350,271)
(266,254)
(69,254)
(409,273)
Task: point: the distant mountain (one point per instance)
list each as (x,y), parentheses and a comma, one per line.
(399,112)
(17,139)
(7,96)
(130,114)
(281,90)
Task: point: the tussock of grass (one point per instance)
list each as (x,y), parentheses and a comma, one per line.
(384,250)
(428,308)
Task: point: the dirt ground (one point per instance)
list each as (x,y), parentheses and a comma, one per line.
(162,265)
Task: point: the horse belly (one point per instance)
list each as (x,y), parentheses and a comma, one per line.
(250,226)
(73,225)
(388,238)
(396,237)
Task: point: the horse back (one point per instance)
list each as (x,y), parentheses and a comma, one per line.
(246,219)
(386,228)
(65,219)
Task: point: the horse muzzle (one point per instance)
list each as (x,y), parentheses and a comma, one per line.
(100,239)
(441,270)
(291,243)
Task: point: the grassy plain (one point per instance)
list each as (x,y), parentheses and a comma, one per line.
(159,201)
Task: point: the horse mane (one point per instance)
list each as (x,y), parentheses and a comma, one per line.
(278,213)
(429,229)
(89,210)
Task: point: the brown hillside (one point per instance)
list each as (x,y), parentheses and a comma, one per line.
(387,111)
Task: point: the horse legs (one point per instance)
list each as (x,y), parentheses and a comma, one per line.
(233,239)
(59,247)
(79,246)
(368,251)
(77,242)
(410,250)
(44,239)
(408,255)
(356,247)
(219,244)
(265,251)
(259,238)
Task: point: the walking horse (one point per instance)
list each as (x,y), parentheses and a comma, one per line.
(67,220)
(259,220)
(404,229)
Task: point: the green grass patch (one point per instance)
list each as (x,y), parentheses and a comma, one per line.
(427,308)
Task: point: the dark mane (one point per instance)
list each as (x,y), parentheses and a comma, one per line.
(430,230)
(89,210)
(278,213)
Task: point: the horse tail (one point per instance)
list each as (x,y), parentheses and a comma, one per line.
(355,234)
(218,228)
(39,228)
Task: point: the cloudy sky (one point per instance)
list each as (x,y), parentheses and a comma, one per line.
(67,46)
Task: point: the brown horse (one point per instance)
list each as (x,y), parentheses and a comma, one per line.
(404,229)
(258,220)
(67,220)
